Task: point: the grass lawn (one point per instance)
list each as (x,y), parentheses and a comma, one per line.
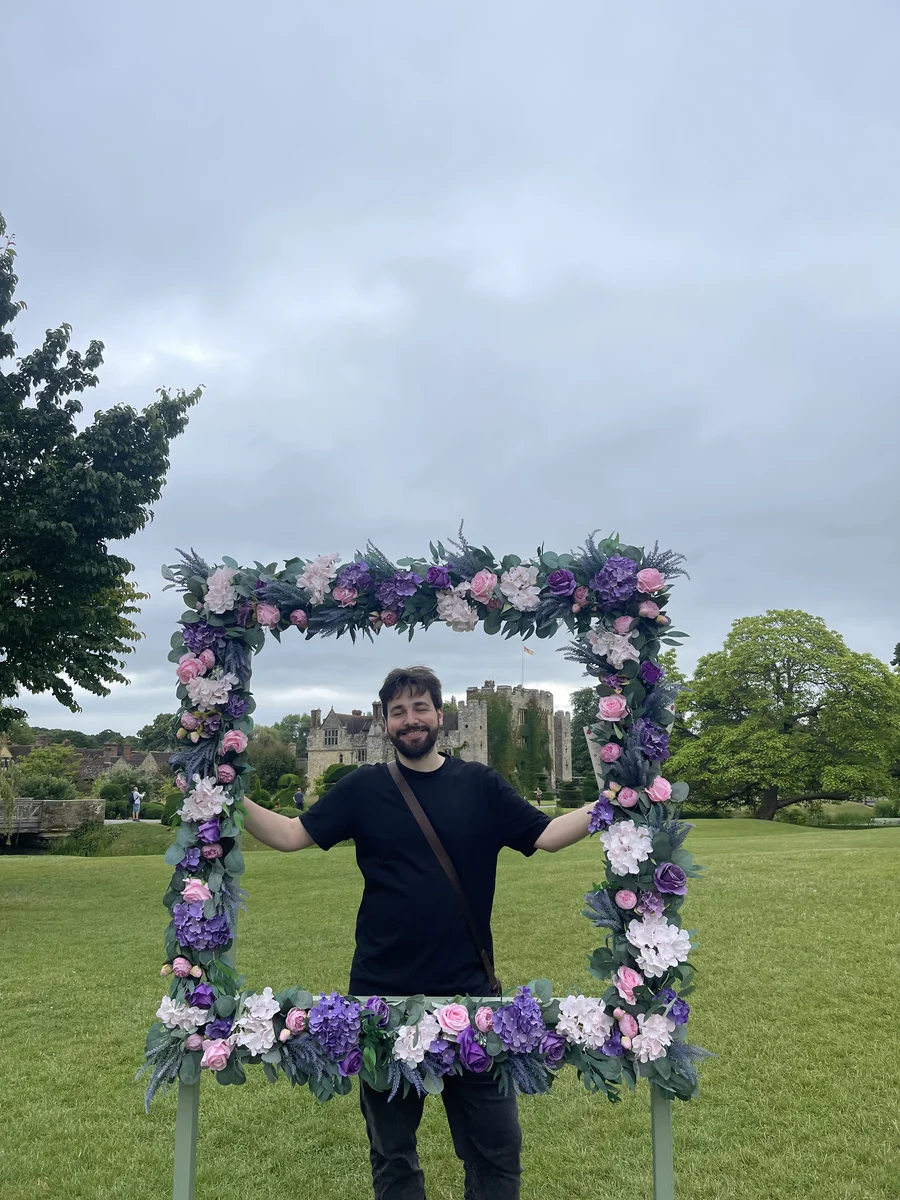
(799,974)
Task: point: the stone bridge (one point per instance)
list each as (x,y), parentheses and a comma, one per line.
(51,818)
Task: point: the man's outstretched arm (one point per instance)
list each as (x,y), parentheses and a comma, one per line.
(566,830)
(275,830)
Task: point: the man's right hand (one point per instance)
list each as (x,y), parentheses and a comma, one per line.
(275,830)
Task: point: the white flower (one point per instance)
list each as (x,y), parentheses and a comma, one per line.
(655,1036)
(519,586)
(429,1030)
(220,595)
(207,799)
(614,647)
(261,1005)
(181,1016)
(453,608)
(660,945)
(257,1036)
(206,692)
(408,1047)
(584,1022)
(627,845)
(318,575)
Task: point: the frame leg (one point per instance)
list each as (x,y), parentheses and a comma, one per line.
(186,1122)
(663,1156)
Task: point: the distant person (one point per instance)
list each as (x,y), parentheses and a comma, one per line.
(298,800)
(136,798)
(537,796)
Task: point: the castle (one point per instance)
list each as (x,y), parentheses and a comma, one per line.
(358,737)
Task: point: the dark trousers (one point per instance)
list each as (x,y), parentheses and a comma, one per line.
(483,1124)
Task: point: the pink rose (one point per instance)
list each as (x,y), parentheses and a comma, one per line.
(181,967)
(189,721)
(207,659)
(296,1020)
(189,667)
(453,1018)
(628,1025)
(580,595)
(268,615)
(623,624)
(193,1042)
(627,797)
(610,752)
(483,585)
(299,618)
(181,783)
(625,980)
(576,608)
(225,773)
(215,1054)
(389,617)
(650,580)
(235,740)
(626,899)
(211,850)
(195,889)
(612,708)
(484,1019)
(660,790)
(649,608)
(346,597)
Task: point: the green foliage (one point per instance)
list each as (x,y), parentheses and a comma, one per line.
(171,800)
(584,712)
(19,732)
(888,808)
(159,734)
(152,812)
(785,713)
(117,783)
(61,761)
(330,776)
(293,728)
(569,794)
(533,752)
(270,757)
(68,489)
(49,787)
(86,841)
(501,745)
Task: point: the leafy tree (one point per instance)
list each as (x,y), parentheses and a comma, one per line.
(270,757)
(329,777)
(66,606)
(62,762)
(158,735)
(293,728)
(584,712)
(501,746)
(533,751)
(19,732)
(784,714)
(895,661)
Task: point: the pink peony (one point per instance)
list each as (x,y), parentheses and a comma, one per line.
(296,1020)
(189,667)
(627,797)
(610,752)
(181,783)
(268,615)
(625,980)
(389,618)
(649,608)
(626,899)
(623,624)
(484,1019)
(193,1042)
(453,1018)
(189,721)
(482,586)
(650,580)
(215,1054)
(181,967)
(195,889)
(299,618)
(660,790)
(346,597)
(612,708)
(580,595)
(211,850)
(235,740)
(207,659)
(628,1025)
(225,773)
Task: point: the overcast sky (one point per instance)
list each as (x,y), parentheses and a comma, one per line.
(547,268)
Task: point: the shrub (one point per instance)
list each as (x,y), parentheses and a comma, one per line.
(172,800)
(116,810)
(86,841)
(705,814)
(289,781)
(887,808)
(569,794)
(152,812)
(331,775)
(48,787)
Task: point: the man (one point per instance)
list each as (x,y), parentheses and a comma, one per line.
(411,935)
(136,798)
(298,799)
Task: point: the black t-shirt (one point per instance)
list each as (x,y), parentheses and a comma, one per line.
(411,935)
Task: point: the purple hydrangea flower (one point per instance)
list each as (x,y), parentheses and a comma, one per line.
(442,1056)
(679,1010)
(202,636)
(473,1056)
(212,724)
(191,860)
(334,1022)
(202,996)
(209,831)
(520,1025)
(650,905)
(654,741)
(243,613)
(553,1047)
(195,932)
(352,1063)
(380,1008)
(220,1027)
(602,815)
(613,1045)
(391,593)
(651,673)
(439,577)
(356,577)
(670,880)
(615,681)
(616,581)
(235,707)
(561,583)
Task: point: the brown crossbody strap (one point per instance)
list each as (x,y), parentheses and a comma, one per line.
(444,859)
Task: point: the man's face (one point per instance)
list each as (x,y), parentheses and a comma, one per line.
(413,724)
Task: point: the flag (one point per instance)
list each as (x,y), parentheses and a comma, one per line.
(527,651)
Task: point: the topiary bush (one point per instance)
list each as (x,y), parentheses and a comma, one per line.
(152,812)
(49,787)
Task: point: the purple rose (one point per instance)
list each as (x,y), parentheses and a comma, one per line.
(553,1048)
(439,577)
(352,1064)
(613,1045)
(219,1028)
(472,1056)
(679,1010)
(616,581)
(561,583)
(209,831)
(602,815)
(651,673)
(670,880)
(191,860)
(202,996)
(380,1008)
(654,741)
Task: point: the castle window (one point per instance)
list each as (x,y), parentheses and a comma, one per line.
(331,737)
(360,756)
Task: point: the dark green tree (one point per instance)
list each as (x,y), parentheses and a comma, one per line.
(270,757)
(293,728)
(66,604)
(584,712)
(501,745)
(159,734)
(533,750)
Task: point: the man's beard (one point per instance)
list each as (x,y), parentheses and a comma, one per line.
(413,744)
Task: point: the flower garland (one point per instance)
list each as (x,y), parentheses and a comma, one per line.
(612,597)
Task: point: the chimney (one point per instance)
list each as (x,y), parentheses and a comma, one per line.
(315,718)
(355,712)
(111,750)
(376,711)
(292,746)
(126,750)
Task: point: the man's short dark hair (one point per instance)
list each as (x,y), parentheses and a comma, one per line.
(416,681)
